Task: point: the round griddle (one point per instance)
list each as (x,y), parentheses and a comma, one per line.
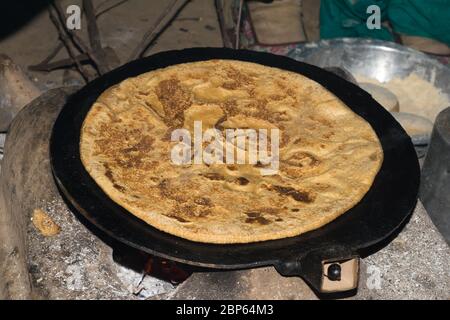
(380,213)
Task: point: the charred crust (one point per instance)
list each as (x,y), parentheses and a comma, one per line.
(297,195)
(242,181)
(203,201)
(256,217)
(213,176)
(174,99)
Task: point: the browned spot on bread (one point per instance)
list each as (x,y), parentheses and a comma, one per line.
(174,99)
(297,195)
(219,123)
(231,108)
(255,217)
(253,214)
(190,210)
(213,176)
(128,147)
(164,185)
(233,85)
(180,219)
(303,159)
(270,210)
(276,97)
(109,175)
(119,187)
(373,157)
(328,135)
(323,121)
(259,220)
(290,92)
(280,83)
(259,164)
(203,201)
(168,191)
(242,181)
(241,79)
(280,116)
(108,172)
(284,140)
(143,145)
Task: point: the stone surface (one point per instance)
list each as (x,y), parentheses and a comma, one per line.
(25,163)
(415,265)
(257,284)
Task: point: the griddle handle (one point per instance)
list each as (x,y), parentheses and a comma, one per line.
(328,270)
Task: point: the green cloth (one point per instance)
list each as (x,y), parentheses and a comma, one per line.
(424,18)
(348,18)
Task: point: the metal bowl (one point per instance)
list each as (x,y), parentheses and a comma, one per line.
(375,59)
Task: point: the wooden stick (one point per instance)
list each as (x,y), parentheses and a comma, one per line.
(157,28)
(66,41)
(52,54)
(46,61)
(238,25)
(69,62)
(94,36)
(59,64)
(227,42)
(77,40)
(99,13)
(45,64)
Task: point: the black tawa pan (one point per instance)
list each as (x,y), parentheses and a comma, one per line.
(381,212)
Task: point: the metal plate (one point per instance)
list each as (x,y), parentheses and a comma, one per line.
(375,59)
(388,203)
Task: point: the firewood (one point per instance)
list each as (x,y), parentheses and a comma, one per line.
(16,91)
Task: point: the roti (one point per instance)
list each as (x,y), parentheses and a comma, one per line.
(327,157)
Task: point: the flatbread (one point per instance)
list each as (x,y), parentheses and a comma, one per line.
(329,156)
